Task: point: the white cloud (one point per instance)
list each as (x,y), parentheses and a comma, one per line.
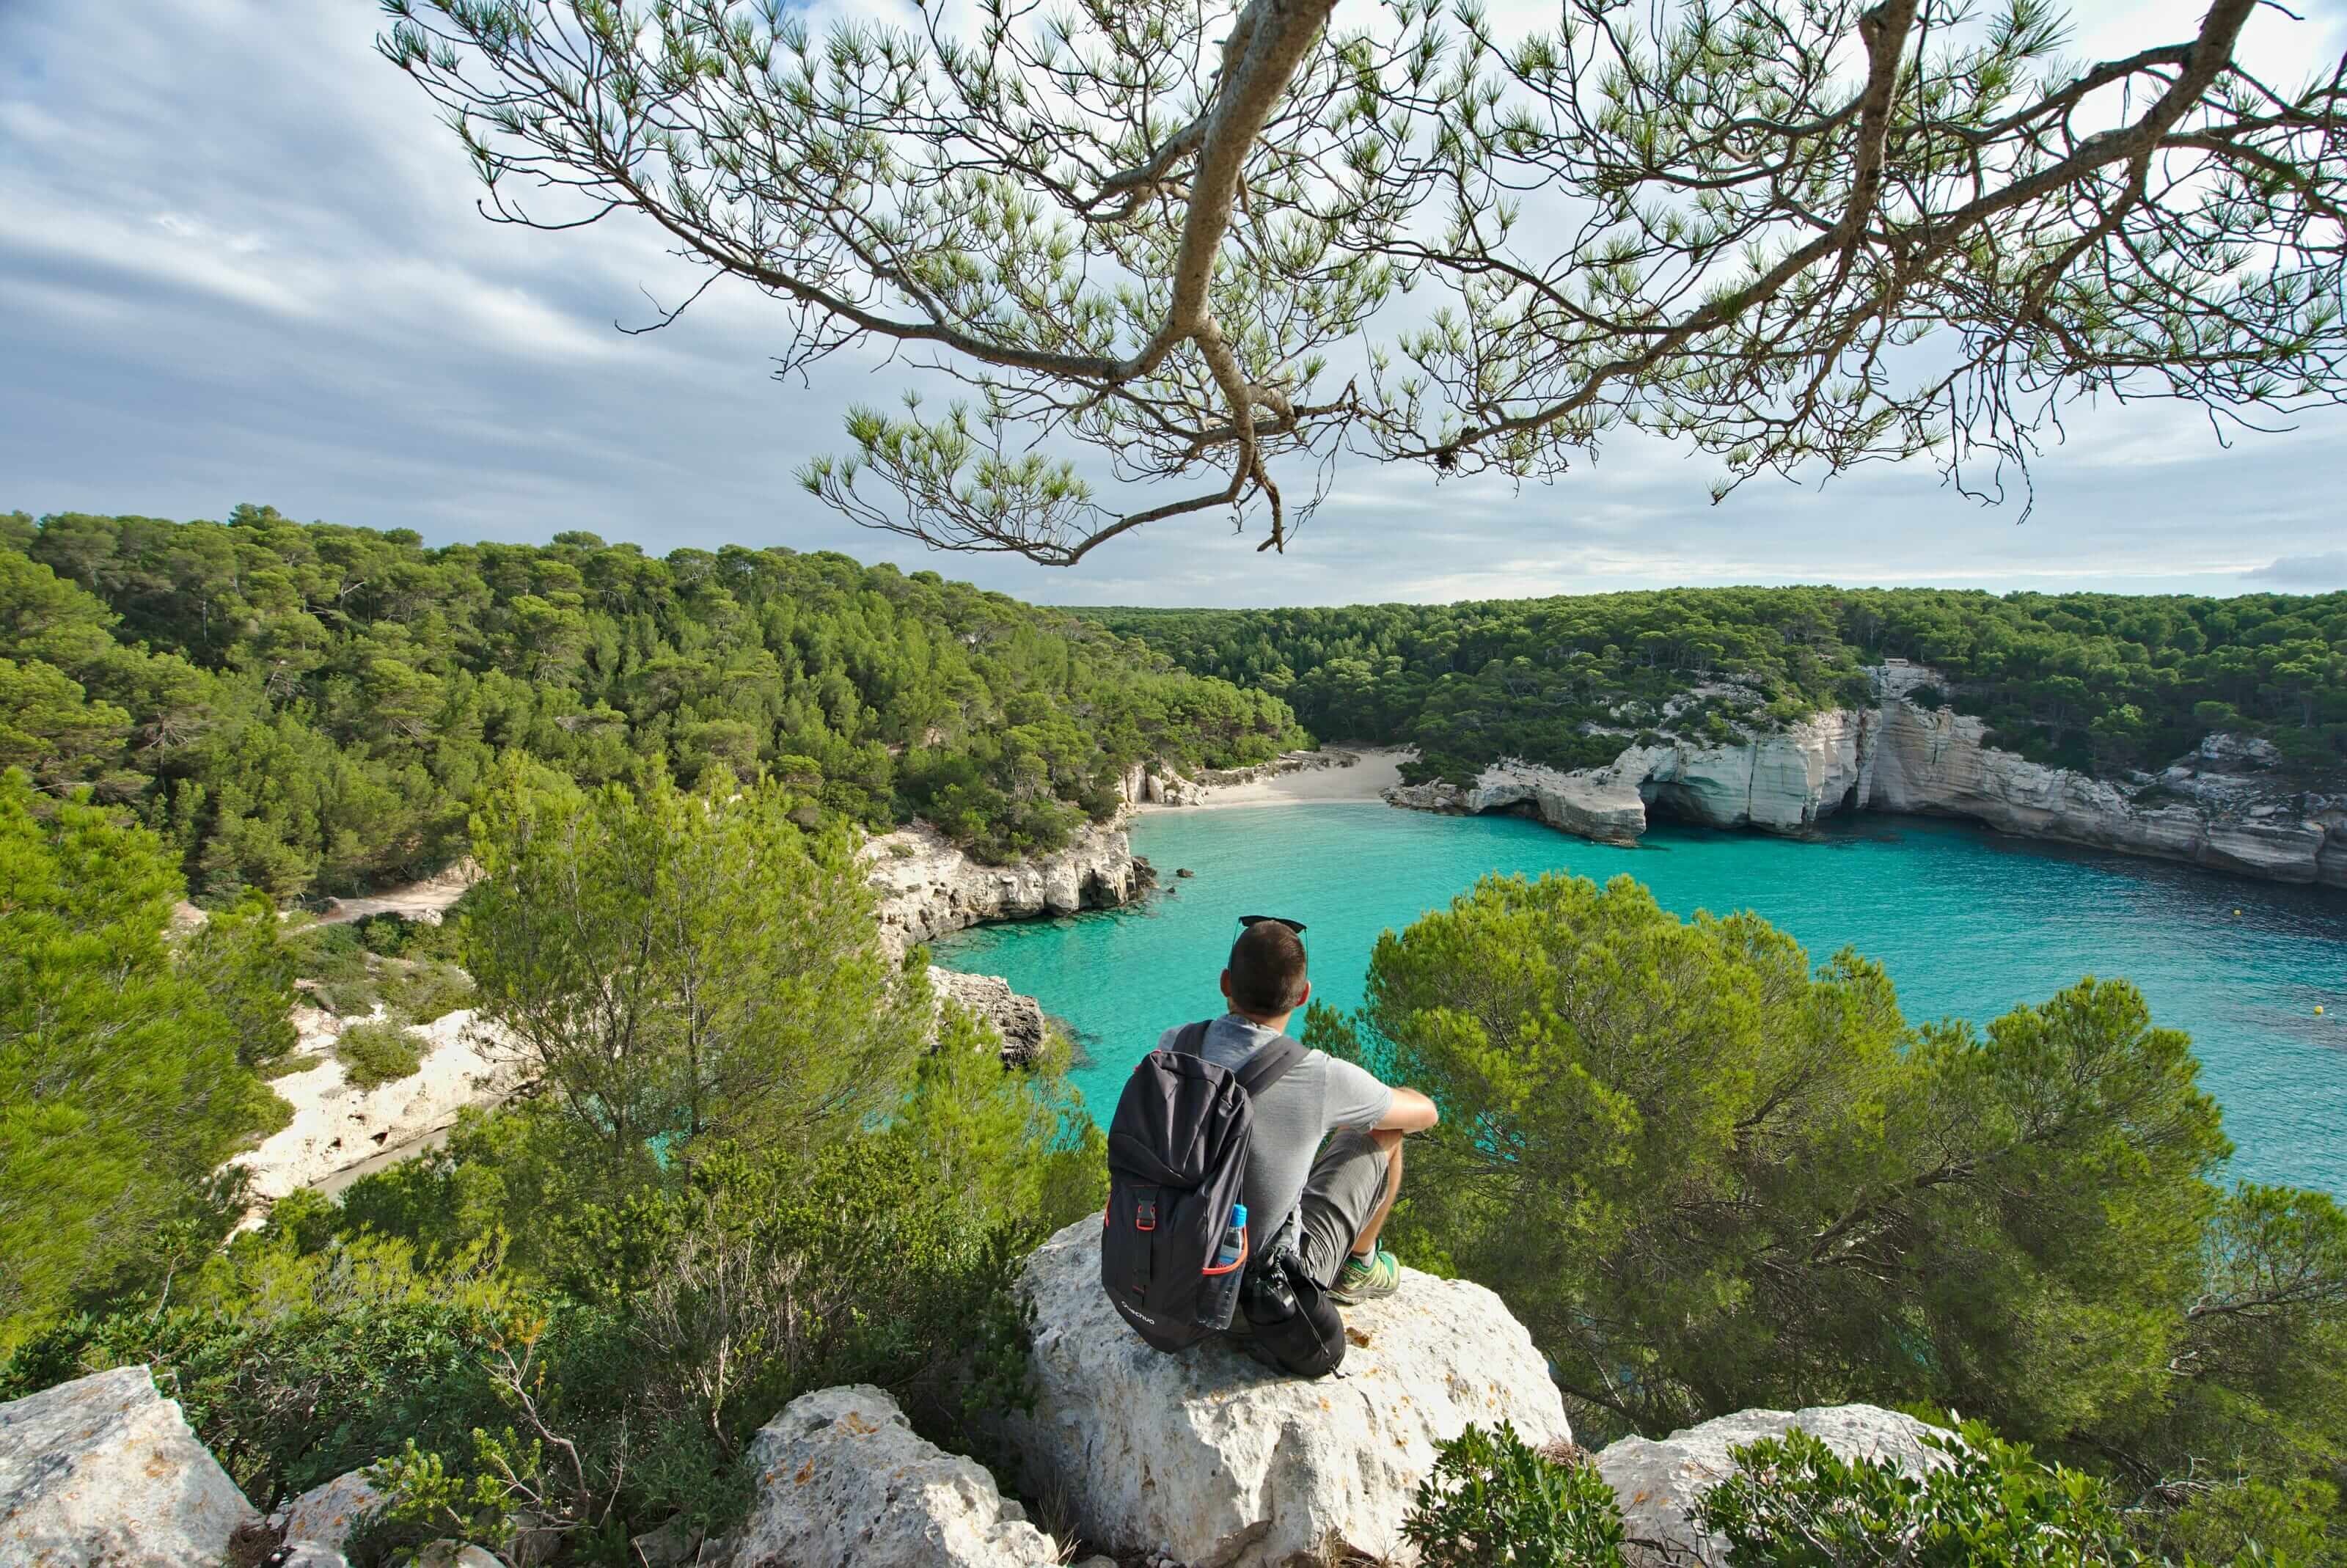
(2303,574)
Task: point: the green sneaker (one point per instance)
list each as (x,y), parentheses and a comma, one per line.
(1367,1278)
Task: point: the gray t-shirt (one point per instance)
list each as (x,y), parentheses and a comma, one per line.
(1314,1098)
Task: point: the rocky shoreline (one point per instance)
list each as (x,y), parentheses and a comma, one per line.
(929,887)
(2220,808)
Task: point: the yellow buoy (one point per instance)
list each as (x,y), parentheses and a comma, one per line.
(2237,914)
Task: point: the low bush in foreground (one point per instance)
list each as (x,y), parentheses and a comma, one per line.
(1494,1502)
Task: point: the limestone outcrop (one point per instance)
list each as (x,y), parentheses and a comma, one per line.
(928,886)
(1602,803)
(337,1126)
(322,1518)
(2207,809)
(842,1482)
(2214,808)
(1212,1460)
(1019,1019)
(1658,1484)
(105,1470)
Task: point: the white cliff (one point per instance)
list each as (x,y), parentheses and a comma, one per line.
(2212,808)
(930,886)
(1936,762)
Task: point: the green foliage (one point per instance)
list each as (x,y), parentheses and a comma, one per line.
(296,1366)
(793,1183)
(424,1501)
(377,1051)
(1793,1502)
(239,957)
(316,707)
(681,966)
(2098,681)
(1708,1178)
(2249,1521)
(120,1087)
(1494,1502)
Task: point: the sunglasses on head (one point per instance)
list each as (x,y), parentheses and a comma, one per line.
(1295,926)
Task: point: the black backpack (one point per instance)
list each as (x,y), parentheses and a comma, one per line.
(1177,1150)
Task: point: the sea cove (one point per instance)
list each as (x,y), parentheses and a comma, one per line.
(1967,923)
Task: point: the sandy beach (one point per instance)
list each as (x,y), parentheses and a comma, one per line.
(1373,770)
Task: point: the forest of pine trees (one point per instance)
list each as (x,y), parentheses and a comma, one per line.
(313,709)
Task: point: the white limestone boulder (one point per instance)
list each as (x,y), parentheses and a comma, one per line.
(1658,1484)
(843,1480)
(1216,1461)
(325,1515)
(105,1470)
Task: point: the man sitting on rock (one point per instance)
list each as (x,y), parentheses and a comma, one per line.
(1330,1202)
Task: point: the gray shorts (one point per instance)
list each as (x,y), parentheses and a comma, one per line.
(1347,1185)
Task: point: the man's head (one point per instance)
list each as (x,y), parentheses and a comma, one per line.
(1266,977)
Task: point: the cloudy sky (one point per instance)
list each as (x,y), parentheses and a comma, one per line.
(241,262)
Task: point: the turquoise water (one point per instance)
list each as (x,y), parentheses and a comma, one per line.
(1967,923)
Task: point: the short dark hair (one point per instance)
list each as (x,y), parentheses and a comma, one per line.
(1266,969)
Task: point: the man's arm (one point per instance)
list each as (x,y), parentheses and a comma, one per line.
(1409,1112)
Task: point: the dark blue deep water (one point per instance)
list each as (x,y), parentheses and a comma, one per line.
(1967,923)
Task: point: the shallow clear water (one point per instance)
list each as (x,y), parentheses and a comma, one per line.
(1967,924)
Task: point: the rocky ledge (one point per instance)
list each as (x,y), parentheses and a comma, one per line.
(928,886)
(2220,807)
(1212,1460)
(1019,1019)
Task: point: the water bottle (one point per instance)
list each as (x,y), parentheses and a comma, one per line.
(1233,1245)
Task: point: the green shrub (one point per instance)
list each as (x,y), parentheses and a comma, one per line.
(1793,1502)
(378,1052)
(425,989)
(1494,1502)
(329,953)
(293,1370)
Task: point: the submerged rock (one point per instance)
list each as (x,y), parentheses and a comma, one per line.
(1658,1484)
(1214,1461)
(105,1470)
(842,1482)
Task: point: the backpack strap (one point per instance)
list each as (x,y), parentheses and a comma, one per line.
(1264,1069)
(1270,1064)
